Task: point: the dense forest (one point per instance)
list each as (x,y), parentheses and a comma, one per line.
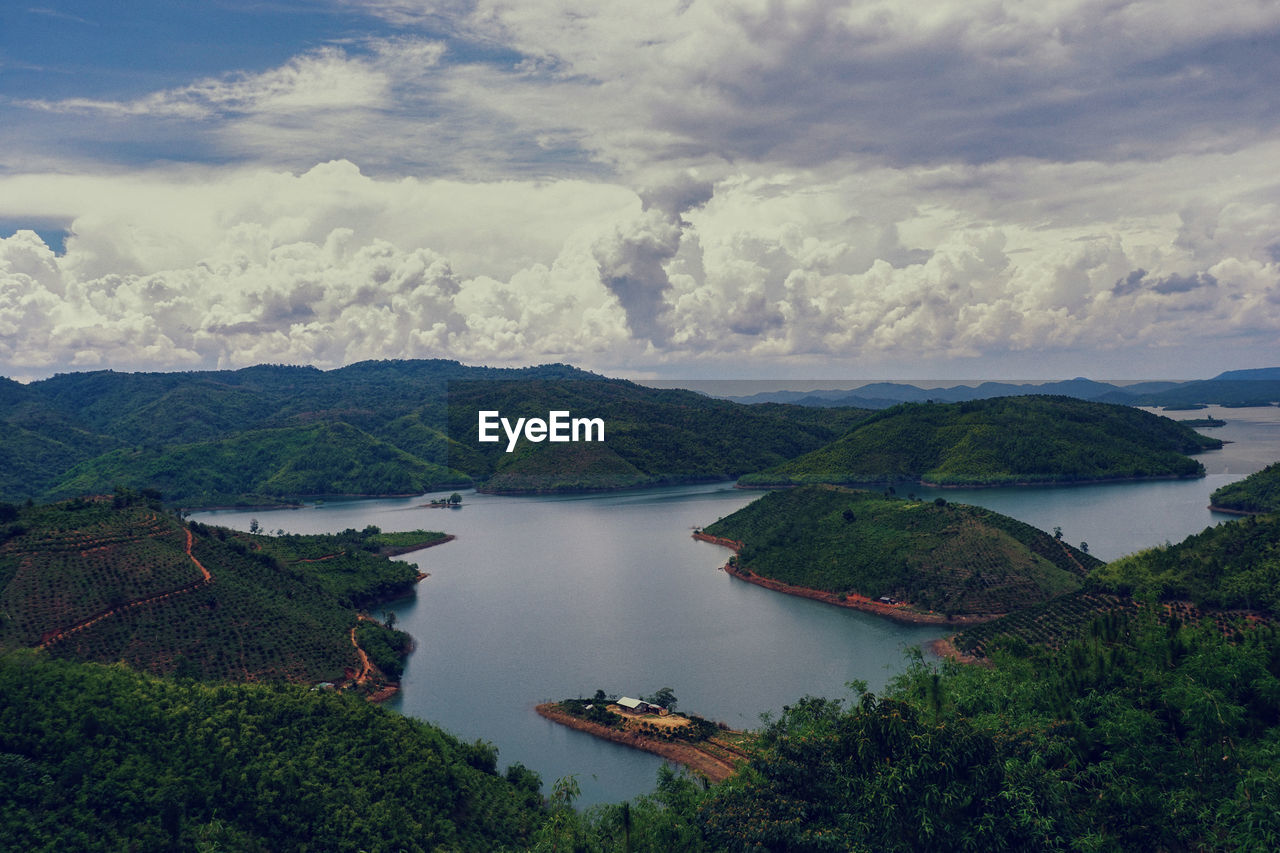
(1259,492)
(1235,565)
(270,434)
(933,555)
(105,758)
(1004,440)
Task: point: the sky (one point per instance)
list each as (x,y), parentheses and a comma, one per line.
(730,189)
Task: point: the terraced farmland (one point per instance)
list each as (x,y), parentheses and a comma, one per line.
(94,580)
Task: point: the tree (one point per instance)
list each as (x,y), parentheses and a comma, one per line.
(665,696)
(254,527)
(1057,533)
(455,498)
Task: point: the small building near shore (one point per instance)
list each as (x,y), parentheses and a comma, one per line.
(639,706)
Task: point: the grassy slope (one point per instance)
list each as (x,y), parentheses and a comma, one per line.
(1259,492)
(999,441)
(953,559)
(273,611)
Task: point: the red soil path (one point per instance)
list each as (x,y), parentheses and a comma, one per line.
(206,579)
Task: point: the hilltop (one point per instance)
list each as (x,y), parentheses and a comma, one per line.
(1000,441)
(954,560)
(119,579)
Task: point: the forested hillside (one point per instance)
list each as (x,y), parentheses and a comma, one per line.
(99,758)
(1233,565)
(652,436)
(1002,440)
(1259,492)
(269,434)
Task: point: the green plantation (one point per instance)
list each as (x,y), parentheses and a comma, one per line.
(112,580)
(1235,565)
(1004,440)
(949,558)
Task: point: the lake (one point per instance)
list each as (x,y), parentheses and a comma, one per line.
(543,598)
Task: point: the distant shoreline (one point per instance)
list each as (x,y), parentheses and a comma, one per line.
(884,484)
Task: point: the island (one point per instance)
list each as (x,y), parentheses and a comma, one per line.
(710,749)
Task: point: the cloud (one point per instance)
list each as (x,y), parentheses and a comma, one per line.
(205,268)
(325,79)
(712,183)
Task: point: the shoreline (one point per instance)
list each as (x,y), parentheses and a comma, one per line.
(1224,510)
(898,612)
(396,551)
(595,490)
(1021,484)
(689,755)
(944,648)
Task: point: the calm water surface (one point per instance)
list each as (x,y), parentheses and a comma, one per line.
(542,598)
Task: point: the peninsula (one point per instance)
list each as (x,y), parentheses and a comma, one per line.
(907,559)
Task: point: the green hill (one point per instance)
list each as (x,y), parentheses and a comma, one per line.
(1259,492)
(949,558)
(1235,565)
(1004,440)
(651,436)
(112,580)
(272,433)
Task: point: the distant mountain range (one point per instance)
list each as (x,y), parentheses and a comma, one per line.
(1260,386)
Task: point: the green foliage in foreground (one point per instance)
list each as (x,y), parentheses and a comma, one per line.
(102,758)
(1005,440)
(1259,492)
(939,556)
(1153,738)
(1232,565)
